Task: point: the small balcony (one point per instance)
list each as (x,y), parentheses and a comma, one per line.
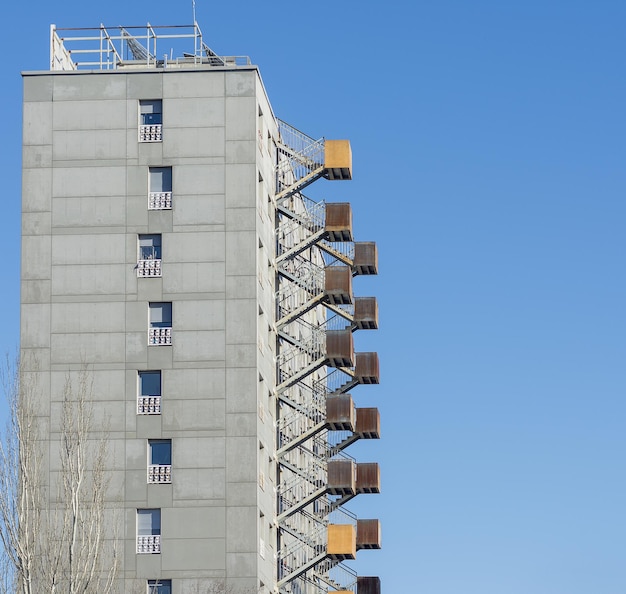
(159,336)
(338,284)
(340,413)
(340,348)
(368,585)
(367,477)
(160,473)
(341,541)
(149,544)
(149,268)
(368,534)
(337,159)
(365,258)
(366,313)
(149,405)
(366,370)
(159,200)
(368,423)
(342,477)
(338,221)
(151,133)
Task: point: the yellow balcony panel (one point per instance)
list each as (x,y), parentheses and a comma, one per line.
(337,159)
(341,541)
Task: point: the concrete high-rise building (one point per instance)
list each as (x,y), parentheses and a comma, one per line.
(168,248)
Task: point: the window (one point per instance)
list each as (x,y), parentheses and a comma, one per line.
(149,393)
(149,256)
(160,188)
(160,331)
(150,120)
(148,531)
(159,586)
(159,460)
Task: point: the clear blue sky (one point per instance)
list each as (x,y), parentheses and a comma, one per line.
(489,165)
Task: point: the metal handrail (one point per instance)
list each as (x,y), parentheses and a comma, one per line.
(104,47)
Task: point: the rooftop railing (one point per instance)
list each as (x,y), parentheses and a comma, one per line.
(148,46)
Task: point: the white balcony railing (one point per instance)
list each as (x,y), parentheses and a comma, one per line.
(150,132)
(159,336)
(148,405)
(149,544)
(159,200)
(160,473)
(148,268)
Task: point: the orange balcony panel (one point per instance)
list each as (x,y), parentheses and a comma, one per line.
(365,257)
(340,348)
(367,369)
(368,534)
(338,284)
(337,159)
(366,313)
(341,541)
(368,477)
(339,221)
(367,585)
(340,413)
(340,592)
(368,423)
(342,477)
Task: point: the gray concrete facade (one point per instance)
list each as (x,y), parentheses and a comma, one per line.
(85,203)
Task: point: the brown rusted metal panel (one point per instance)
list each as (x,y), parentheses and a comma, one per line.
(340,413)
(340,348)
(366,313)
(368,534)
(368,423)
(368,477)
(367,585)
(366,369)
(341,477)
(365,257)
(339,221)
(338,284)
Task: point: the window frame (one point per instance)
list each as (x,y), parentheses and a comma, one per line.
(150,131)
(154,586)
(148,543)
(160,194)
(149,404)
(160,332)
(149,262)
(159,472)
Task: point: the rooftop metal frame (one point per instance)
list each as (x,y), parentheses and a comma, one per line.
(110,48)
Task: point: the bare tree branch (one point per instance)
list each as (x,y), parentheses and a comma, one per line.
(54,544)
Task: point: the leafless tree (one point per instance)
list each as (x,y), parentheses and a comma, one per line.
(60,544)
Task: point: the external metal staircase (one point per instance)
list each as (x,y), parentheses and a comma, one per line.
(315,317)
